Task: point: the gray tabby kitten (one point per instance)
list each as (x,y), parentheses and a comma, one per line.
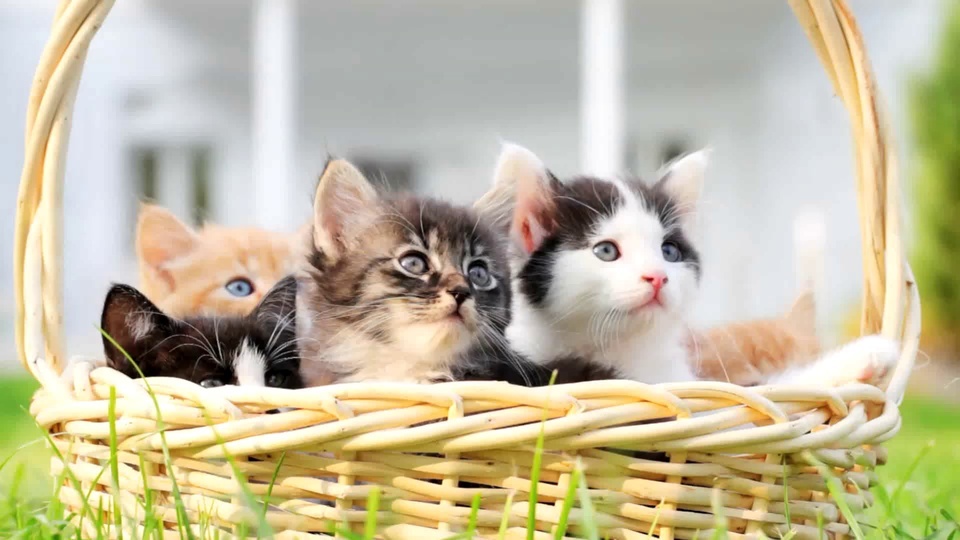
(398,288)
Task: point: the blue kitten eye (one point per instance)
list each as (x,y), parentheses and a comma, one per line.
(414,263)
(211,383)
(671,252)
(479,274)
(277,379)
(239,287)
(606,251)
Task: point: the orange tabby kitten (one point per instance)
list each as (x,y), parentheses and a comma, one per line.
(213,271)
(746,353)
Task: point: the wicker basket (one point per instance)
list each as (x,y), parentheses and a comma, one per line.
(750,455)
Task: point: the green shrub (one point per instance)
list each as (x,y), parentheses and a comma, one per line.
(935,118)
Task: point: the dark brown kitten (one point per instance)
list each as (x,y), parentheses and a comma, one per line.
(259,349)
(401,288)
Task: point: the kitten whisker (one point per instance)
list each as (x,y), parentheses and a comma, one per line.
(281,325)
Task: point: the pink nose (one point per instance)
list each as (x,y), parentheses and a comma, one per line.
(656,280)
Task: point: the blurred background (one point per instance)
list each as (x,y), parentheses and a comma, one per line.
(226,110)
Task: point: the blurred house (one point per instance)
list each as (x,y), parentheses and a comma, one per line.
(226,110)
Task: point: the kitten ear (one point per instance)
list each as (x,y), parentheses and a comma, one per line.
(136,325)
(279,305)
(682,180)
(161,237)
(521,200)
(344,203)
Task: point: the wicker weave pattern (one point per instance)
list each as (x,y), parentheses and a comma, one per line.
(744,451)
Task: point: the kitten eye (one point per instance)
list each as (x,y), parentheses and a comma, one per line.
(211,383)
(414,263)
(606,251)
(277,379)
(239,287)
(671,252)
(479,274)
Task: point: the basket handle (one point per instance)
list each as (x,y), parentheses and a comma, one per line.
(891,303)
(40,202)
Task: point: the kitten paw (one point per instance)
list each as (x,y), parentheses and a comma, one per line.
(867,360)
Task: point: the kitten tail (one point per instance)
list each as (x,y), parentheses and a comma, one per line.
(809,239)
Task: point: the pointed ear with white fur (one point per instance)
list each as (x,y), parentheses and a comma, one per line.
(683,180)
(345,202)
(162,239)
(521,200)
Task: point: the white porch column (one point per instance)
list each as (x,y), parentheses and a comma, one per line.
(273,111)
(602,101)
(175,181)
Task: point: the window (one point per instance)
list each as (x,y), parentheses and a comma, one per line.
(176,178)
(200,163)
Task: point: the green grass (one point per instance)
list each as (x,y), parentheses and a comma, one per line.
(916,497)
(919,483)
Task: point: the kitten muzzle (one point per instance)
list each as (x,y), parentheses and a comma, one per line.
(650,303)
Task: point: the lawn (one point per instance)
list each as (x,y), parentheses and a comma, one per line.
(916,499)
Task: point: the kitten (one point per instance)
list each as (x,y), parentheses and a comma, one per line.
(606,272)
(748,352)
(400,288)
(214,271)
(259,349)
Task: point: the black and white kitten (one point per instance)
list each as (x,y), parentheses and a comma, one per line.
(606,273)
(400,288)
(259,349)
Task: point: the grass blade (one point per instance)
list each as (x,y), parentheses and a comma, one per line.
(474,513)
(837,492)
(373,506)
(568,499)
(505,518)
(535,471)
(590,530)
(273,482)
(114,464)
(924,450)
(183,519)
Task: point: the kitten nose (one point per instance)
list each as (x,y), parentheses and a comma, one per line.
(459,294)
(656,280)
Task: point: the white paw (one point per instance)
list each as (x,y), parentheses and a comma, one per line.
(867,360)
